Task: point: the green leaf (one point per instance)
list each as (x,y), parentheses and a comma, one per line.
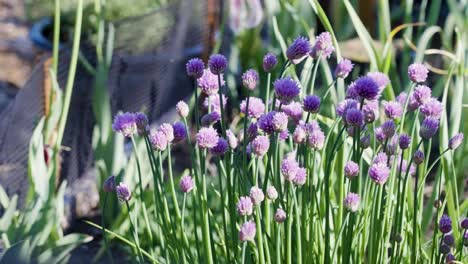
(7,217)
(363,35)
(4,200)
(37,170)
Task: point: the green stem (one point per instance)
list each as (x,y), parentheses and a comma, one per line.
(55,51)
(70,78)
(135,234)
(106,243)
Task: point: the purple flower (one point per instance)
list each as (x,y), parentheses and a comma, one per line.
(429,127)
(343,68)
(417,72)
(286,89)
(109,184)
(125,123)
(180,132)
(247,231)
(280,215)
(210,119)
(365,141)
(232,139)
(260,145)
(301,176)
(298,49)
(279,121)
(194,68)
(217,64)
(265,122)
(445,224)
(381,157)
(380,79)
(182,109)
(388,128)
(213,102)
(271,192)
(299,134)
(207,137)
(465,239)
(294,111)
(256,194)
(449,239)
(391,145)
(141,121)
(370,111)
(418,157)
(316,139)
(422,93)
(464,223)
(123,192)
(250,79)
(312,104)
(323,46)
(283,135)
(252,131)
(351,202)
(379,134)
(186,184)
(367,88)
(345,105)
(444,249)
(404,141)
(221,147)
(351,169)
(208,83)
(245,206)
(158,141)
(289,168)
(168,131)
(354,117)
(269,62)
(256,107)
(379,173)
(450,258)
(432,107)
(393,110)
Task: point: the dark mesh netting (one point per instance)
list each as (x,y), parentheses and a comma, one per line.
(147,73)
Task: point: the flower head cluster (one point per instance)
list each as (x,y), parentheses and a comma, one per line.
(194,68)
(186,184)
(379,171)
(208,83)
(343,68)
(417,72)
(123,192)
(312,104)
(125,124)
(247,231)
(351,202)
(256,107)
(250,79)
(217,64)
(207,137)
(294,111)
(269,62)
(260,145)
(298,49)
(323,46)
(286,89)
